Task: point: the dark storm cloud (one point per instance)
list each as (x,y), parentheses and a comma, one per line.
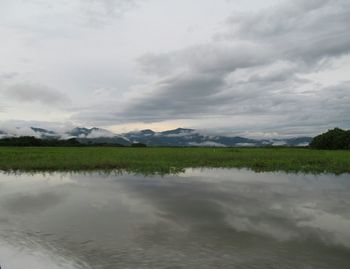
(204,80)
(28,92)
(195,90)
(306,30)
(215,57)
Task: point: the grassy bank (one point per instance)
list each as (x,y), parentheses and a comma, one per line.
(169,160)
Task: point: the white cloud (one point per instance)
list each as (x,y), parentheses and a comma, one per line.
(207,144)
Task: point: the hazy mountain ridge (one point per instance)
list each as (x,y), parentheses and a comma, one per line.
(175,138)
(190,137)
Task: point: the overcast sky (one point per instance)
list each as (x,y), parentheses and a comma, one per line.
(236,66)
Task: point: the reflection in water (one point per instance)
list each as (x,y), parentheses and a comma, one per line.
(199,219)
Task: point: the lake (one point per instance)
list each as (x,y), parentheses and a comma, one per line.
(202,218)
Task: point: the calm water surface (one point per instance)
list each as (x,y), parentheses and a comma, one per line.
(199,219)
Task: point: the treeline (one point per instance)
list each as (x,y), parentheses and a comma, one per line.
(31,141)
(333,139)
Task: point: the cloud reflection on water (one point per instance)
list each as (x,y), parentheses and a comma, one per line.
(211,217)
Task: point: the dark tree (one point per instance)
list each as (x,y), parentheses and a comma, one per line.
(333,139)
(31,141)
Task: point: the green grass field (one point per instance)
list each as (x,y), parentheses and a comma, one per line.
(172,160)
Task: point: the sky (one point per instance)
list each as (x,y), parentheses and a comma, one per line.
(252,67)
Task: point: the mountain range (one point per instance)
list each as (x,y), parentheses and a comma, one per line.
(174,138)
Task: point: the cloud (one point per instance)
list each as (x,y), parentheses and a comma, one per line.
(24,128)
(215,57)
(304,30)
(20,131)
(8,76)
(99,12)
(28,92)
(44,16)
(100,133)
(32,203)
(207,144)
(254,71)
(255,67)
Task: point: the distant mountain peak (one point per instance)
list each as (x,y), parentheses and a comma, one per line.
(82,131)
(147,131)
(178,131)
(43,131)
(182,130)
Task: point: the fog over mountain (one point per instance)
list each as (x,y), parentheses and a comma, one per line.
(240,66)
(179,137)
